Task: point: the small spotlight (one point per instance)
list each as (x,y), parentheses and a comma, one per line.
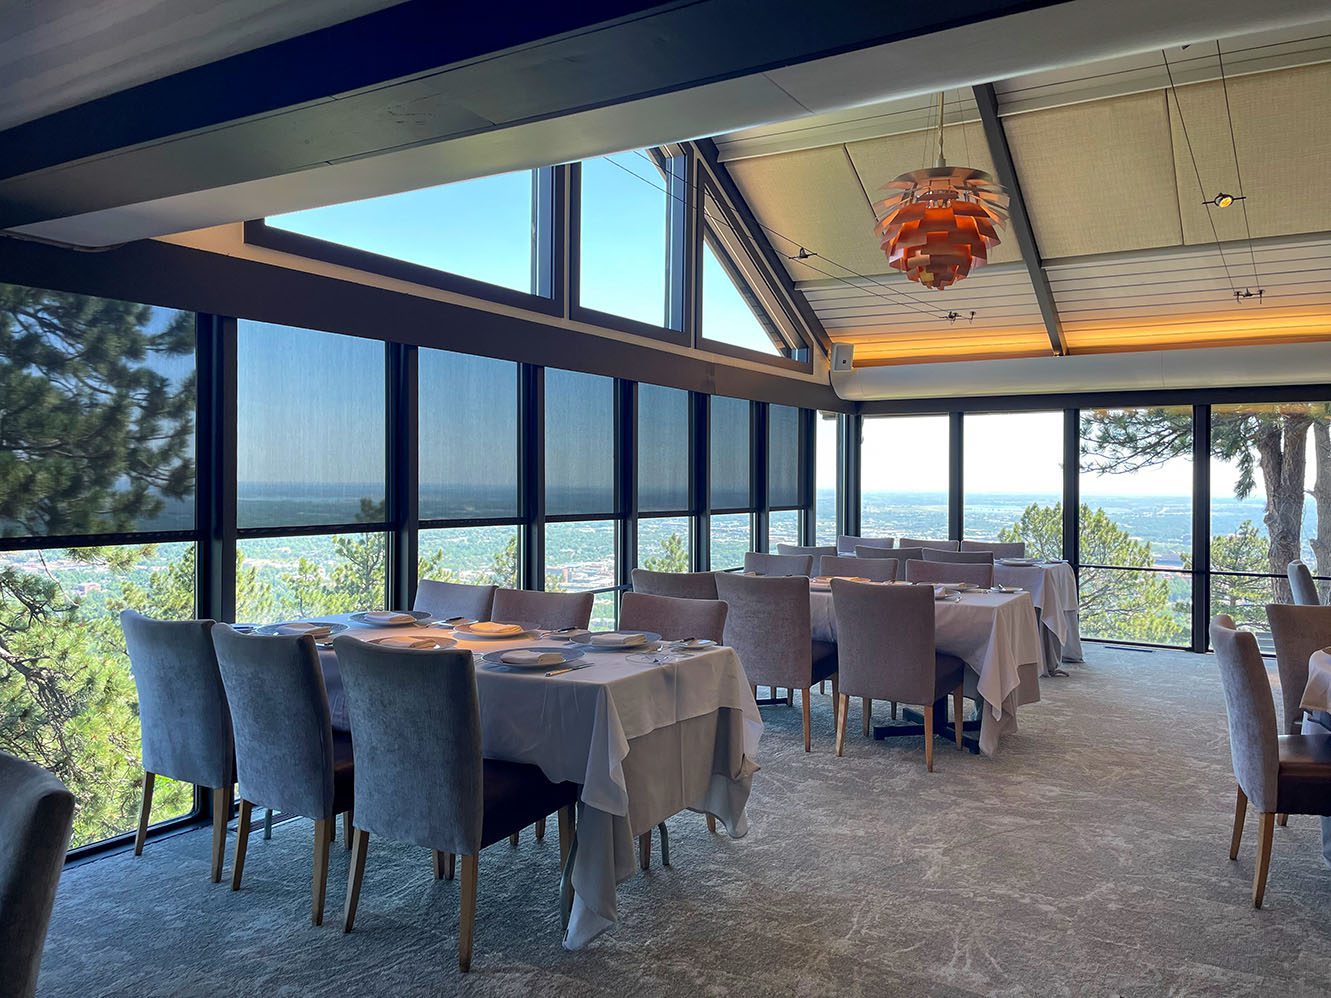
(1223,200)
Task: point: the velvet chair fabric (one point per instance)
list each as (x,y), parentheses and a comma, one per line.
(672,618)
(548,610)
(937,571)
(769,625)
(999,549)
(455,599)
(897,554)
(36,816)
(814,552)
(846,543)
(938,545)
(184,720)
(873,569)
(777,564)
(1301,584)
(1251,712)
(959,557)
(1297,631)
(682,585)
(286,757)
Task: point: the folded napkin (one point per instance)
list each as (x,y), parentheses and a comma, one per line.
(575,635)
(388,617)
(618,638)
(495,627)
(525,656)
(300,627)
(406,641)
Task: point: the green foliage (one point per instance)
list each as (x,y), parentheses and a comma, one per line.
(673,556)
(1243,597)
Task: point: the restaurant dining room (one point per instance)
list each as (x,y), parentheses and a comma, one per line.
(699,497)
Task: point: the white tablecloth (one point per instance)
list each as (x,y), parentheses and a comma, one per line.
(995,635)
(1053,589)
(644,742)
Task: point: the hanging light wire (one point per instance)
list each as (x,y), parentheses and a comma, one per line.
(1238,170)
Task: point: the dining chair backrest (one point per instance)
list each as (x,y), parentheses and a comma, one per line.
(1251,712)
(885,641)
(814,552)
(1301,584)
(455,599)
(873,569)
(36,815)
(416,725)
(1297,632)
(938,571)
(778,564)
(959,557)
(673,618)
(184,720)
(847,543)
(999,549)
(682,585)
(769,625)
(279,712)
(540,609)
(937,545)
(898,554)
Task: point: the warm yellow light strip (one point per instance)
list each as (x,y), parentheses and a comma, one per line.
(953,344)
(1260,325)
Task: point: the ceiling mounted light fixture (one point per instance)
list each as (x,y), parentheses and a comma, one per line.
(1223,200)
(940,221)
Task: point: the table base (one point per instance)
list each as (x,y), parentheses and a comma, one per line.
(943,728)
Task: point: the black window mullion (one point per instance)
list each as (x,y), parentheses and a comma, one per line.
(759,441)
(1072,487)
(702,488)
(531,475)
(1201,527)
(403,448)
(956,485)
(850,451)
(626,482)
(215,496)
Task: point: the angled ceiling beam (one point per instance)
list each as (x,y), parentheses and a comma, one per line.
(1020,220)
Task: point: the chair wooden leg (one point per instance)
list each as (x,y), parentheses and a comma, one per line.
(242,840)
(1282,820)
(836,689)
(754,690)
(804,699)
(540,829)
(221,815)
(894,710)
(645,850)
(323,829)
(347,818)
(1265,832)
(958,715)
(268,824)
(822,687)
(711,823)
(567,822)
(145,812)
(868,714)
(467,915)
(513,839)
(360,841)
(790,697)
(841,707)
(929,738)
(1240,812)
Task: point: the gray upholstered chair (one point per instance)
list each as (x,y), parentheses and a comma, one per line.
(682,585)
(769,625)
(814,551)
(938,571)
(873,569)
(541,609)
(288,757)
(886,651)
(184,721)
(1280,774)
(898,554)
(959,557)
(847,543)
(1297,632)
(454,599)
(36,815)
(999,549)
(1301,584)
(938,545)
(673,618)
(777,564)
(416,720)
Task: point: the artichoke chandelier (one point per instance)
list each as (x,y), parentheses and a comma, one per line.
(939,222)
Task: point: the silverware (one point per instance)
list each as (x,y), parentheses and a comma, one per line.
(558,672)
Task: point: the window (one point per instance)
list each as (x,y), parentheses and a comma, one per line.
(579,443)
(728,316)
(664,451)
(481,229)
(474,555)
(783,456)
(1135,524)
(1014,479)
(904,477)
(580,557)
(663,543)
(731,538)
(731,459)
(287,578)
(826,480)
(625,253)
(783,527)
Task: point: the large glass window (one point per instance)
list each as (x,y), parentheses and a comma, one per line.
(731,537)
(731,460)
(783,527)
(826,483)
(728,316)
(663,449)
(482,229)
(663,543)
(580,557)
(904,476)
(579,443)
(1136,524)
(289,578)
(1014,479)
(783,456)
(625,245)
(474,555)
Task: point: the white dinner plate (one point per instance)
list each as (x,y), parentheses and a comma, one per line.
(1018,562)
(416,617)
(465,631)
(391,641)
(693,644)
(643,645)
(316,630)
(567,655)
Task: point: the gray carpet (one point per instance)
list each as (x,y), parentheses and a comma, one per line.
(1088,858)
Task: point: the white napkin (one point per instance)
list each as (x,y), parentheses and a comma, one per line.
(299,627)
(525,656)
(618,638)
(495,627)
(388,617)
(574,635)
(406,641)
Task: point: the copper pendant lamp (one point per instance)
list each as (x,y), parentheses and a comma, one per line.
(940,221)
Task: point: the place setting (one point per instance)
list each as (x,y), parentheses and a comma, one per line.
(557,661)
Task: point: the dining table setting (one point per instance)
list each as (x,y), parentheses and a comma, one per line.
(647,728)
(1053,587)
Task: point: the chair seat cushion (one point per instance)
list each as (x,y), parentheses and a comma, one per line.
(949,671)
(824,661)
(344,772)
(1305,775)
(516,795)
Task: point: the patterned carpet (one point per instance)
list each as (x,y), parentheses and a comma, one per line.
(1088,858)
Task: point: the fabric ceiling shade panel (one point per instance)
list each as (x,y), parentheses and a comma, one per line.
(783,456)
(579,443)
(310,439)
(468,436)
(731,457)
(663,449)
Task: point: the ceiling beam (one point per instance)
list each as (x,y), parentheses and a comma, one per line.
(1019,218)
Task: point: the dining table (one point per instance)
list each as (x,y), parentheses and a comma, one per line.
(646,734)
(1316,700)
(1053,587)
(993,633)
